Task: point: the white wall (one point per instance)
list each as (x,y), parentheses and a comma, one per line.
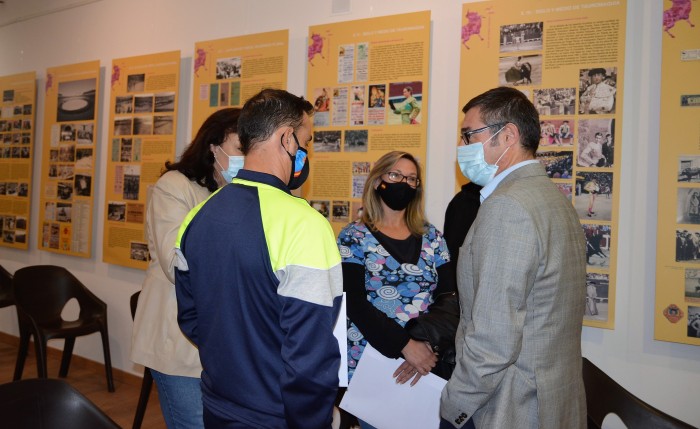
(664,374)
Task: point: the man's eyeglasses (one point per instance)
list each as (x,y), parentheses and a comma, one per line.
(466,135)
(396,177)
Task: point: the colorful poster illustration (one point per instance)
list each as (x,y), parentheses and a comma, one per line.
(368,82)
(17,124)
(142,124)
(67,193)
(677,307)
(227,72)
(568,58)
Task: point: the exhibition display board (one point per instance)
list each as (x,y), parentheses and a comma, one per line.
(677,306)
(69,148)
(227,72)
(368,81)
(17,125)
(143,120)
(568,58)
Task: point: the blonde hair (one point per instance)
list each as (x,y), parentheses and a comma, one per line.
(373,212)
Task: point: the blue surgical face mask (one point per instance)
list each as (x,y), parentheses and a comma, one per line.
(235,163)
(473,165)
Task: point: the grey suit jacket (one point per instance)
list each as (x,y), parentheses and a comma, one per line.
(521,277)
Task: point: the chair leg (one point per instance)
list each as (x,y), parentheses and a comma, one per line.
(67,353)
(107,356)
(24,337)
(40,347)
(146,386)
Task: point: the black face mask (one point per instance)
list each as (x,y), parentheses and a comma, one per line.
(396,196)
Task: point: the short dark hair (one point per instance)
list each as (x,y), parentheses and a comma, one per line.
(197,161)
(598,70)
(267,111)
(505,104)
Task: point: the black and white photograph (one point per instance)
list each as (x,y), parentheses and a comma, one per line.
(125,151)
(8,222)
(557,132)
(63,212)
(67,132)
(11,189)
(688,206)
(8,95)
(597,285)
(356,141)
(135,82)
(65,191)
(598,240)
(521,37)
(692,285)
(143,125)
(143,103)
(124,104)
(21,223)
(341,211)
(27,109)
(65,171)
(555,101)
(3,187)
(131,186)
(27,124)
(163,125)
(139,252)
(84,133)
(66,152)
(116,211)
(26,138)
(693,321)
(122,127)
(557,163)
(688,245)
(23,189)
(321,206)
(596,147)
(228,68)
(597,89)
(76,100)
(82,185)
(689,168)
(165,102)
(593,198)
(327,141)
(20,236)
(520,70)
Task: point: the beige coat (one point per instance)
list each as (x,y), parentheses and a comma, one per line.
(157,341)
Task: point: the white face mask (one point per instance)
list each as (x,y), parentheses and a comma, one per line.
(473,165)
(235,163)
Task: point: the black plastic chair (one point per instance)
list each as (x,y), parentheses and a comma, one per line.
(605,396)
(41,292)
(7,297)
(147,382)
(49,403)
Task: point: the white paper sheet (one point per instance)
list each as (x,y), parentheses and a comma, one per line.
(341,334)
(374,396)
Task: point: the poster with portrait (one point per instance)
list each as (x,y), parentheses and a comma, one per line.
(575,82)
(368,82)
(677,306)
(227,72)
(71,110)
(17,124)
(142,123)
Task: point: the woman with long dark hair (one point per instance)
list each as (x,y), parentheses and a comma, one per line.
(209,162)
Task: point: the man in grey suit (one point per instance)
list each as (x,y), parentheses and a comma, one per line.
(521,278)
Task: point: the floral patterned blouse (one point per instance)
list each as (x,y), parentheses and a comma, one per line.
(400,291)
